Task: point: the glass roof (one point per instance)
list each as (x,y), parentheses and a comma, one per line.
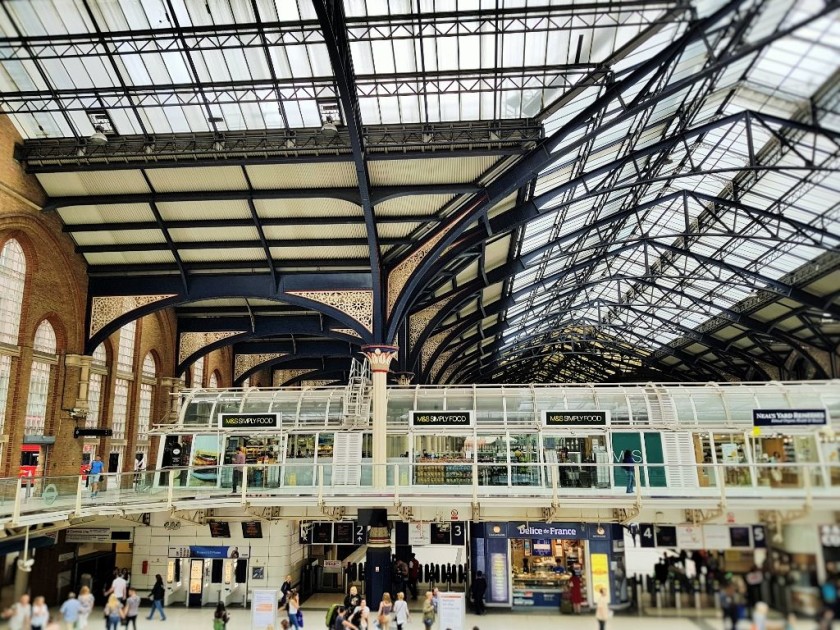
(220,66)
(647,250)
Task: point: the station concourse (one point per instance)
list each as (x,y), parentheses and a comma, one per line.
(315,290)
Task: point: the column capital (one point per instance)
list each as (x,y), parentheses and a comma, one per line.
(380,356)
(404,378)
(77,360)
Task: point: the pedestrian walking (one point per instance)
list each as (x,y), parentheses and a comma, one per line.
(238,464)
(157,595)
(220,617)
(113,613)
(40,614)
(401,612)
(477,590)
(95,475)
(19,614)
(295,615)
(428,610)
(119,588)
(86,601)
(70,611)
(383,616)
(131,609)
(285,589)
(602,609)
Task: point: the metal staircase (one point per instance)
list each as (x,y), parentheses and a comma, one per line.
(357,395)
(661,409)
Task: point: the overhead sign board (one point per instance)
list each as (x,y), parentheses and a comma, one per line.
(77,433)
(249,420)
(441,418)
(789,417)
(97,535)
(576,418)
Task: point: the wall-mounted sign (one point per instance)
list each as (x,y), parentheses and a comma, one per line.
(576,418)
(332,566)
(97,535)
(830,535)
(77,433)
(208,552)
(441,418)
(249,420)
(789,417)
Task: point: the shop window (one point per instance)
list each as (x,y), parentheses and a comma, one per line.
(125,356)
(120,412)
(39,379)
(12,280)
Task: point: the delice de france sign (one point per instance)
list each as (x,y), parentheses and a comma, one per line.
(441,418)
(249,420)
(788,417)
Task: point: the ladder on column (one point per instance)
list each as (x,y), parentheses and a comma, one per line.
(357,395)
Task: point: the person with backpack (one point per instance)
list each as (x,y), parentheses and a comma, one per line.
(335,617)
(220,617)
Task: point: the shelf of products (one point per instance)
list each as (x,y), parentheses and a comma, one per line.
(442,474)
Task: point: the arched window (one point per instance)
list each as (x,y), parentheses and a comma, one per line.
(147,394)
(213,383)
(125,356)
(198,373)
(12,280)
(12,277)
(39,379)
(125,364)
(98,370)
(246,383)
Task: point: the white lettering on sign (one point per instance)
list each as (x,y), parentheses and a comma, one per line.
(525,530)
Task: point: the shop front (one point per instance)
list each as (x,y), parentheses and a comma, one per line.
(550,565)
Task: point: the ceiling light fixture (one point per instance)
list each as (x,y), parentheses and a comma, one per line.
(329,126)
(98,137)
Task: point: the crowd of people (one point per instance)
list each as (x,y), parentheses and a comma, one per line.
(122,607)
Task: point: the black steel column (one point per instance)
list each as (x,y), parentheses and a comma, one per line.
(377,566)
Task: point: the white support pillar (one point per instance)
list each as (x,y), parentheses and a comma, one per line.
(380,358)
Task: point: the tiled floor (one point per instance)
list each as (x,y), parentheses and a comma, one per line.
(180,618)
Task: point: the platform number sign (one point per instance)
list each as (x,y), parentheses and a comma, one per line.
(458,534)
(759,536)
(647,534)
(361,534)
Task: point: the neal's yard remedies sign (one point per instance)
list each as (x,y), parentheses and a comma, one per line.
(249,420)
(441,418)
(788,417)
(576,418)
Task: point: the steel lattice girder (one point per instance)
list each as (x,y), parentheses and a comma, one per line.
(543,155)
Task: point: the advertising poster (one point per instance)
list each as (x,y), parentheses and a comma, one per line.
(264,609)
(717,537)
(451,611)
(600,573)
(419,534)
(689,537)
(205,460)
(499,577)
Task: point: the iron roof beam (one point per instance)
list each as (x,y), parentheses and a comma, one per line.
(334,28)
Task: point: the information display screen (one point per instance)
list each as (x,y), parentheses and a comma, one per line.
(343,532)
(252,529)
(322,533)
(219,529)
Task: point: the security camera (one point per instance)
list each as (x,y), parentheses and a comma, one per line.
(25,565)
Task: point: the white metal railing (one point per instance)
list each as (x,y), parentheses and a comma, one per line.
(45,498)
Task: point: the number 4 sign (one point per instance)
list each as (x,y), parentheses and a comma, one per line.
(646,534)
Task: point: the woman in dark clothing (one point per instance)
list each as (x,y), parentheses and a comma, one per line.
(629,469)
(157,595)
